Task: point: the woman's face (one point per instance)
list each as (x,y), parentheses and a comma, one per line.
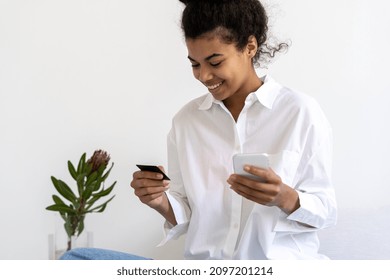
(223,69)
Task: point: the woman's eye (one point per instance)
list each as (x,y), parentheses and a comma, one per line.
(215,64)
(194,65)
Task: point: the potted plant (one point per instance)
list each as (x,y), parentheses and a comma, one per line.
(90,176)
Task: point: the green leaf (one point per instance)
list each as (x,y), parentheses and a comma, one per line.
(57,200)
(92,177)
(63,189)
(68,191)
(64,216)
(80,182)
(72,170)
(88,168)
(100,208)
(96,196)
(97,186)
(107,173)
(81,165)
(76,204)
(101,178)
(80,228)
(106,191)
(101,170)
(88,192)
(54,181)
(68,227)
(60,208)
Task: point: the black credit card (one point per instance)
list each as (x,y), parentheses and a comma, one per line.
(152,168)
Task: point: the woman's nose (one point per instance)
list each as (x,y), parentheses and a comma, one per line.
(204,74)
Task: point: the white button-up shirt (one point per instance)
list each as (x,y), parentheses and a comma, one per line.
(219,223)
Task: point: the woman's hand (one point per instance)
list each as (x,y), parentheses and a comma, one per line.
(150,187)
(271,192)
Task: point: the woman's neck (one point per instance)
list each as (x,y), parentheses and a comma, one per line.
(235,103)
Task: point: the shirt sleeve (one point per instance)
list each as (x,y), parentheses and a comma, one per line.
(176,194)
(313,183)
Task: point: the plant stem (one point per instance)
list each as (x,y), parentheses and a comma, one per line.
(69,244)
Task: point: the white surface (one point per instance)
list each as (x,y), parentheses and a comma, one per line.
(359,235)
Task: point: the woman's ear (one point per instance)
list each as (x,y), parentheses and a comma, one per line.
(251,47)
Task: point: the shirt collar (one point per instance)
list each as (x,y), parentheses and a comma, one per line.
(266,95)
(268,92)
(207,102)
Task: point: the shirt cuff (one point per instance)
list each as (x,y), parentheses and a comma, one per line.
(181,211)
(173,232)
(308,217)
(182,218)
(315,212)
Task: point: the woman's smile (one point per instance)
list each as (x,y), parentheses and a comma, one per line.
(214,86)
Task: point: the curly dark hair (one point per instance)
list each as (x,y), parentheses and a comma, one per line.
(234,21)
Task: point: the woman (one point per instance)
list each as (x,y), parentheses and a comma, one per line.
(225,215)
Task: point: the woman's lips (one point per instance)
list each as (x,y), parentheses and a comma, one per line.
(214,86)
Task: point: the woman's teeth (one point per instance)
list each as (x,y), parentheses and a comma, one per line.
(214,86)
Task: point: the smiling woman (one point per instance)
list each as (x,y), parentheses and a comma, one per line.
(227,72)
(79,75)
(243,113)
(226,215)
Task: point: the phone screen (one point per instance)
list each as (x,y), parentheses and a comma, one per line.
(259,160)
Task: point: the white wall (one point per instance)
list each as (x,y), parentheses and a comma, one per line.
(81,75)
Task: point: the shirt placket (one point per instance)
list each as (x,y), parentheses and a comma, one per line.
(236,200)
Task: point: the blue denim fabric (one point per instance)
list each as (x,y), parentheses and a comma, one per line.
(98,254)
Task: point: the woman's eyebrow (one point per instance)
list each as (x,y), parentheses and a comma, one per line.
(207,58)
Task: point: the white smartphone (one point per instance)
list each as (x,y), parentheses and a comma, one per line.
(258,160)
